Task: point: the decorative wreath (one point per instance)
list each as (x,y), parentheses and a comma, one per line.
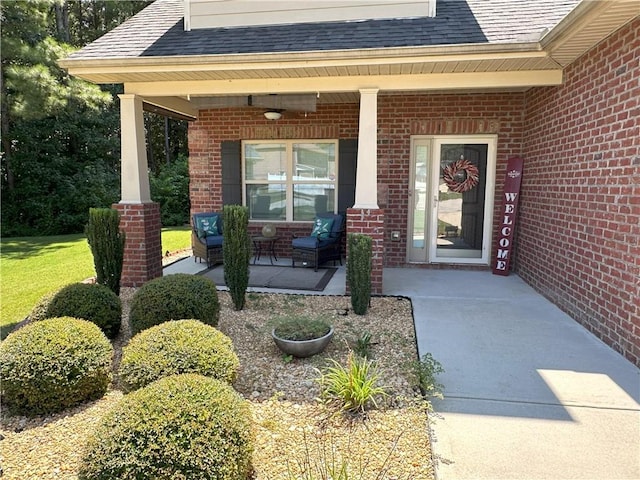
(460,176)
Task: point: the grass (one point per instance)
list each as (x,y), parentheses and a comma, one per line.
(176,238)
(33,266)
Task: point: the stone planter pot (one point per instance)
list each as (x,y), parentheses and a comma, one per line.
(302,348)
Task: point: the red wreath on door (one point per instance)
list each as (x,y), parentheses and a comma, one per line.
(460,176)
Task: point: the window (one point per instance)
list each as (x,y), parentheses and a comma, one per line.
(289,180)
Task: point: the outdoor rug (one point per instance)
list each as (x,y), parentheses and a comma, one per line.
(288,278)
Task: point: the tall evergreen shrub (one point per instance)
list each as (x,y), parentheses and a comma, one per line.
(359,271)
(107,246)
(236,252)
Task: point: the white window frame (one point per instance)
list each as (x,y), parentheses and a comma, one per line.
(289,182)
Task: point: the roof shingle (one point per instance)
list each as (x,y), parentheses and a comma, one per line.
(158,31)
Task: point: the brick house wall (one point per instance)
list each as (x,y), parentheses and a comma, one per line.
(399,117)
(579,226)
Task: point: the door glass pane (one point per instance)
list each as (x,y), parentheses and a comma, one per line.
(266,201)
(420,197)
(265,161)
(312,199)
(461,194)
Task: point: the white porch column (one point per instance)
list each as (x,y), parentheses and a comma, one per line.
(367,169)
(134,175)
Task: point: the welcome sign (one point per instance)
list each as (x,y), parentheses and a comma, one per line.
(504,242)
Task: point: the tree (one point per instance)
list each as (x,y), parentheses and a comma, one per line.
(60,135)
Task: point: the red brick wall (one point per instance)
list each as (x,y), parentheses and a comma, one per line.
(579,226)
(370,222)
(460,114)
(399,116)
(143,244)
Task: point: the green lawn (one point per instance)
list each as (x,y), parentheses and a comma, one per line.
(33,266)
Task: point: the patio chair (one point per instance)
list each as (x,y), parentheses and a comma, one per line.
(206,237)
(323,244)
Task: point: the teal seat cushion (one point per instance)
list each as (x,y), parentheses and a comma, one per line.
(322,227)
(207,226)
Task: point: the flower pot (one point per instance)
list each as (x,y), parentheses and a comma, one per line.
(302,348)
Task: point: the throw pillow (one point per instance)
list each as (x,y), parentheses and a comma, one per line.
(322,227)
(207,226)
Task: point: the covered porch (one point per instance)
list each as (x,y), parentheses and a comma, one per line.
(379,115)
(388,108)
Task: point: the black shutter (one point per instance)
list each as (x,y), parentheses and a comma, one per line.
(231,173)
(347,161)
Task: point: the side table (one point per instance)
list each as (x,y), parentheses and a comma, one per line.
(264,245)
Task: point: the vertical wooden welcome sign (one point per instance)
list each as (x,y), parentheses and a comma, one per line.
(504,242)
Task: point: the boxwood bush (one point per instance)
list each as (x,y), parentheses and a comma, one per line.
(39,310)
(174,297)
(183,346)
(54,364)
(93,302)
(179,427)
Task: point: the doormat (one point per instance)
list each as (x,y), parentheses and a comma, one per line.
(288,278)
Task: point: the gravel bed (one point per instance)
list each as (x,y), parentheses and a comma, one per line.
(294,432)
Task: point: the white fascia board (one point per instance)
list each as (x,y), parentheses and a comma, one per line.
(329,58)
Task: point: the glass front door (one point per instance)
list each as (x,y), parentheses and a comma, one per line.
(452,199)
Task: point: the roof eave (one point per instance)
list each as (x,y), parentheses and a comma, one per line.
(318,58)
(585,26)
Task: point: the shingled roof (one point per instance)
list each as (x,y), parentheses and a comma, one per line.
(158,31)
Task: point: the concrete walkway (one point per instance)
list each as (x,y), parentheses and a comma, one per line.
(529,393)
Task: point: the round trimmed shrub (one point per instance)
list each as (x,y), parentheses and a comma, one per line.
(93,302)
(179,427)
(183,346)
(39,310)
(54,364)
(174,297)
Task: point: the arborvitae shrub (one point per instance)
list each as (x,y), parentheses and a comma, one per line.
(179,427)
(183,346)
(174,297)
(92,302)
(236,252)
(359,271)
(107,246)
(54,364)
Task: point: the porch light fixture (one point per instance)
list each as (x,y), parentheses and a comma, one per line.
(273,115)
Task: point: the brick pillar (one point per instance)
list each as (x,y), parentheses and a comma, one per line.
(143,246)
(370,221)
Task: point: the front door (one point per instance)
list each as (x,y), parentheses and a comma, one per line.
(451,199)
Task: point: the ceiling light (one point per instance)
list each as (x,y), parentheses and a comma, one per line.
(272,115)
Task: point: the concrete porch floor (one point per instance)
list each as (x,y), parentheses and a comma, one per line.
(529,393)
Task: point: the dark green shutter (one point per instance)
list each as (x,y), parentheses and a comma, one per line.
(347,161)
(231,173)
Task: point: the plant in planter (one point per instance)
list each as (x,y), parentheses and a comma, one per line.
(300,335)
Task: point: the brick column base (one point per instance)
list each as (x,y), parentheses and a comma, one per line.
(368,221)
(143,246)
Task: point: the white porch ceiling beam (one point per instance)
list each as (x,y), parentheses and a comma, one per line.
(174,104)
(422,82)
